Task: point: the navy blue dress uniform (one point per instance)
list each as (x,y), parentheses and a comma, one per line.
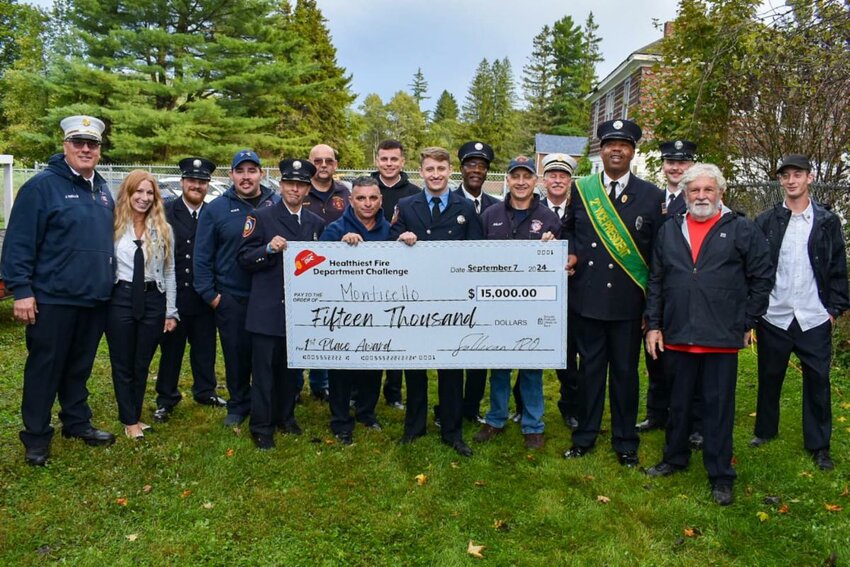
(58,250)
(330,204)
(476,378)
(607,306)
(658,390)
(217,241)
(458,221)
(197,318)
(274,386)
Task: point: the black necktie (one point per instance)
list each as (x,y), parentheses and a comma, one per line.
(296,219)
(670,200)
(138,291)
(194,215)
(435,208)
(477,205)
(613,192)
(558,210)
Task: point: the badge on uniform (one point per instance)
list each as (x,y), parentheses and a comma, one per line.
(536,225)
(337,203)
(624,199)
(639,223)
(461,219)
(250,225)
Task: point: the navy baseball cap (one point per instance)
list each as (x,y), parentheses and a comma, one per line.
(522,162)
(243,156)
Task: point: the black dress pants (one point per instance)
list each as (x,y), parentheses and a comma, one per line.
(392,386)
(199,330)
(716,375)
(367,384)
(275,385)
(450,392)
(236,348)
(132,344)
(61,347)
(814,349)
(609,354)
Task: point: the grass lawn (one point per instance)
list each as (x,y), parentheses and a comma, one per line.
(197,493)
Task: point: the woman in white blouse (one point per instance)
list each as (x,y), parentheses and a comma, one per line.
(143,299)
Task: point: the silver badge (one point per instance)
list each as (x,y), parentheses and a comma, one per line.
(618,125)
(479,146)
(196,164)
(638,223)
(678,145)
(296,164)
(461,219)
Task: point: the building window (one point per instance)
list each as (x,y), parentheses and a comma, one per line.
(627,93)
(596,106)
(609,105)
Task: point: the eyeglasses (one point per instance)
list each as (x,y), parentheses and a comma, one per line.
(324,161)
(80,144)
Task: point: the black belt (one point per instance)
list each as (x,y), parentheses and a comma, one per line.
(149,286)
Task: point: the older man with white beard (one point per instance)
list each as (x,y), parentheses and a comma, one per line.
(709,283)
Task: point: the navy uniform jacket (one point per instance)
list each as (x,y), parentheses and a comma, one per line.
(485,199)
(59,246)
(328,205)
(217,241)
(600,288)
(184,226)
(499,222)
(457,222)
(678,206)
(266,314)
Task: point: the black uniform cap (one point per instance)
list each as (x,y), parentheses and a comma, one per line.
(475,149)
(196,168)
(619,130)
(680,150)
(297,170)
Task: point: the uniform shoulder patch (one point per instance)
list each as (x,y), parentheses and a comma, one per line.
(250,225)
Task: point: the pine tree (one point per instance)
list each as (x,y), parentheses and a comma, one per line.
(538,81)
(419,87)
(376,124)
(405,120)
(568,50)
(446,108)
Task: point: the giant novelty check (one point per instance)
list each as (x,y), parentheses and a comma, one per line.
(473,304)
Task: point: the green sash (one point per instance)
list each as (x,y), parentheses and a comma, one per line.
(611,230)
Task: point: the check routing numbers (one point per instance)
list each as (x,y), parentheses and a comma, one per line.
(472,304)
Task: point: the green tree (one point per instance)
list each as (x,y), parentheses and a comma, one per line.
(445,129)
(570,112)
(538,82)
(419,87)
(489,112)
(446,108)
(405,121)
(376,124)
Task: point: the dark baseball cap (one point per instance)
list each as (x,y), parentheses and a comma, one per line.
(797,161)
(243,156)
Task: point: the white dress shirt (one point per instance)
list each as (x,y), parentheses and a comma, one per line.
(621,182)
(795,292)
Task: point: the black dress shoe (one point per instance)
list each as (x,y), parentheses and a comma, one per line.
(37,456)
(822,459)
(263,442)
(722,494)
(756,442)
(576,451)
(407,439)
(628,458)
(162,414)
(92,436)
(291,427)
(571,422)
(345,438)
(649,424)
(215,401)
(461,448)
(374,426)
(322,395)
(662,469)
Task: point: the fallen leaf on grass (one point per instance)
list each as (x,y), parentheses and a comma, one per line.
(806,474)
(229,453)
(588,477)
(832,507)
(763,516)
(529,457)
(186,493)
(330,441)
(840,419)
(132,537)
(603,499)
(207,505)
(479,483)
(753,414)
(421,479)
(845,492)
(784,509)
(121,501)
(844,405)
(237,430)
(475,550)
(147,488)
(455,464)
(501,525)
(734,460)
(691,532)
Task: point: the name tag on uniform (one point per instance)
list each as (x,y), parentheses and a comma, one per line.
(72,196)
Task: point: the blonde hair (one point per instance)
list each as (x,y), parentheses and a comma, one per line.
(155,221)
